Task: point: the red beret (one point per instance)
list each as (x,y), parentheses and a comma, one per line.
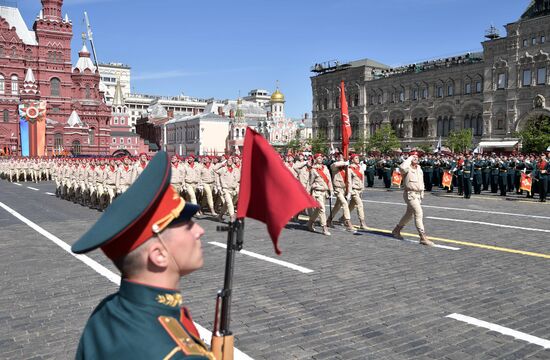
(317,155)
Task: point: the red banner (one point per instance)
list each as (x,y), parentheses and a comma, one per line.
(396,178)
(346,126)
(447,179)
(526,182)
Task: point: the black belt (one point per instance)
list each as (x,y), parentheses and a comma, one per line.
(503,170)
(467,172)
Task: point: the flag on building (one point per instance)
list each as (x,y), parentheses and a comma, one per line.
(447,179)
(268,191)
(346,126)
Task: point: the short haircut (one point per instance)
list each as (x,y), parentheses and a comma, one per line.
(134,262)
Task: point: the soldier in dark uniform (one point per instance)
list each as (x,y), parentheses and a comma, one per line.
(543,167)
(370,168)
(468,173)
(494,174)
(478,174)
(520,166)
(149,234)
(459,175)
(502,165)
(529,171)
(427,165)
(437,171)
(486,173)
(387,166)
(511,178)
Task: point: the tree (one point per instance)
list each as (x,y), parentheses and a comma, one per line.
(360,144)
(428,149)
(384,139)
(535,138)
(460,141)
(294,145)
(318,144)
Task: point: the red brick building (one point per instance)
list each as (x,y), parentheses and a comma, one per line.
(78,119)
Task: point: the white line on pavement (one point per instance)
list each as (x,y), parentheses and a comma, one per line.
(51,194)
(100,269)
(461,209)
(268,259)
(501,329)
(488,224)
(17,184)
(35,189)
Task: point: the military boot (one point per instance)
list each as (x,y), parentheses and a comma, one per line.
(363,224)
(325,231)
(396,233)
(349,226)
(310,226)
(424,239)
(329,222)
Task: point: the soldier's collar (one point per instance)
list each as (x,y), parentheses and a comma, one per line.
(168,299)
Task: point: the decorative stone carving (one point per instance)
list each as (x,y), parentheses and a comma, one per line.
(539,102)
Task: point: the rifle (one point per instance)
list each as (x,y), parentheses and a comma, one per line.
(222,344)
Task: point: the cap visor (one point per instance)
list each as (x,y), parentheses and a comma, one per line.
(189,210)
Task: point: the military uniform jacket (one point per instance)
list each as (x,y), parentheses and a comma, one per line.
(109,176)
(207,173)
(178,174)
(339,174)
(124,176)
(302,171)
(318,182)
(229,178)
(128,325)
(357,177)
(192,174)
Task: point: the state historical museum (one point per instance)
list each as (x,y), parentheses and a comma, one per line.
(36,74)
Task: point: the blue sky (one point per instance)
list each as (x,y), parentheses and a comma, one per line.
(216,48)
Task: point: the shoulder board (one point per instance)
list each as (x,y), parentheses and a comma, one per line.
(184,341)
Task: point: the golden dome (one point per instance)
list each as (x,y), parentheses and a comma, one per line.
(277,97)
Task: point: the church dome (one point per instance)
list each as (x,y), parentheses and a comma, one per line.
(277,97)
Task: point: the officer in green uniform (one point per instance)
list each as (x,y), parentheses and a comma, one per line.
(370,168)
(479,163)
(459,174)
(520,166)
(387,166)
(486,173)
(468,173)
(495,166)
(510,179)
(427,165)
(543,168)
(149,234)
(502,166)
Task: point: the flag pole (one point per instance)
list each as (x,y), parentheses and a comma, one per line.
(222,344)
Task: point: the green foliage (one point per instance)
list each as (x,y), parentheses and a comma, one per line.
(535,138)
(294,145)
(428,149)
(384,139)
(461,140)
(360,144)
(318,144)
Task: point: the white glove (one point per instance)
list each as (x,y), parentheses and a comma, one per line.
(348,196)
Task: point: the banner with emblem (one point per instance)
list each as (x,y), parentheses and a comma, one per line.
(396,178)
(447,179)
(32,125)
(526,182)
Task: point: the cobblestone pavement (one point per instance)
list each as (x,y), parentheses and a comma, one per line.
(369,296)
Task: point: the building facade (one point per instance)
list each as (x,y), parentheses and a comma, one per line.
(77,117)
(112,74)
(494,92)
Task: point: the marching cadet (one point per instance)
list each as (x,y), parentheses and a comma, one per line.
(47,169)
(208,181)
(139,166)
(478,174)
(413,181)
(370,169)
(302,169)
(192,179)
(73,180)
(321,188)
(340,181)
(229,183)
(36,170)
(98,196)
(467,173)
(178,174)
(124,176)
(81,184)
(289,163)
(154,243)
(357,185)
(543,167)
(109,180)
(90,183)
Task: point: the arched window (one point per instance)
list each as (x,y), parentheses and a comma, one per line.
(14,85)
(6,115)
(375,123)
(91,136)
(396,121)
(323,128)
(337,125)
(242,132)
(2,51)
(479,125)
(355,132)
(439,126)
(325,103)
(467,122)
(122,120)
(55,85)
(76,147)
(236,133)
(58,141)
(88,92)
(2,85)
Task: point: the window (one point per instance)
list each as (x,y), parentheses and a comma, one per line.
(415,94)
(534,41)
(56,109)
(401,96)
(54,86)
(122,140)
(542,39)
(116,121)
(356,100)
(526,77)
(76,147)
(541,76)
(91,136)
(501,84)
(128,141)
(468,88)
(122,121)
(58,140)
(478,87)
(88,93)
(525,42)
(2,85)
(6,115)
(440,91)
(425,93)
(114,141)
(14,85)
(450,90)
(1,51)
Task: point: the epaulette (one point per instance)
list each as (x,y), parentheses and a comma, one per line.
(185,342)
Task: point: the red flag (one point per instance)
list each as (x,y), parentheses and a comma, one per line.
(268,191)
(346,126)
(526,182)
(447,180)
(396,178)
